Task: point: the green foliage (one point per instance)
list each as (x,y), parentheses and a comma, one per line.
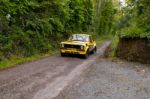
(29,27)
(136,20)
(104,17)
(113,46)
(107,17)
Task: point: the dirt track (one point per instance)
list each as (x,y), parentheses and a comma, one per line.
(44,78)
(107,79)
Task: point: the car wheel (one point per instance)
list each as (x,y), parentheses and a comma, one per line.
(63,54)
(94,51)
(86,55)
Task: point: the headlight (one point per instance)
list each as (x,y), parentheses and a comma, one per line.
(82,47)
(62,45)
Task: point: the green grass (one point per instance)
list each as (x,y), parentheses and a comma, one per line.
(113,47)
(13,61)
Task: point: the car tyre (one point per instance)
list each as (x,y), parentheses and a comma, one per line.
(94,51)
(86,55)
(63,54)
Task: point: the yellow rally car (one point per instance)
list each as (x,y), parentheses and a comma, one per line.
(82,44)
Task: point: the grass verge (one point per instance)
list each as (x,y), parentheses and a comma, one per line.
(111,51)
(15,60)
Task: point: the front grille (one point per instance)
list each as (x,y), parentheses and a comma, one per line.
(72,46)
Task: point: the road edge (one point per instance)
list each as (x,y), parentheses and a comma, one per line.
(60,83)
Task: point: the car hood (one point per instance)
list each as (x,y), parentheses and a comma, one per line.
(74,42)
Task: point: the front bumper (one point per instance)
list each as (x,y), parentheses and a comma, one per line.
(73,51)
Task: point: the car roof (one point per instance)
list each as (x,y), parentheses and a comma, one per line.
(82,34)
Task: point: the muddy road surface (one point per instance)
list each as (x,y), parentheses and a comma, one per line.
(44,78)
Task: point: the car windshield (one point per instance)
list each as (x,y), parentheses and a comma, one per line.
(78,37)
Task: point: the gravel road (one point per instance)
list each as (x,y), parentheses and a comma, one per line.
(44,78)
(110,79)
